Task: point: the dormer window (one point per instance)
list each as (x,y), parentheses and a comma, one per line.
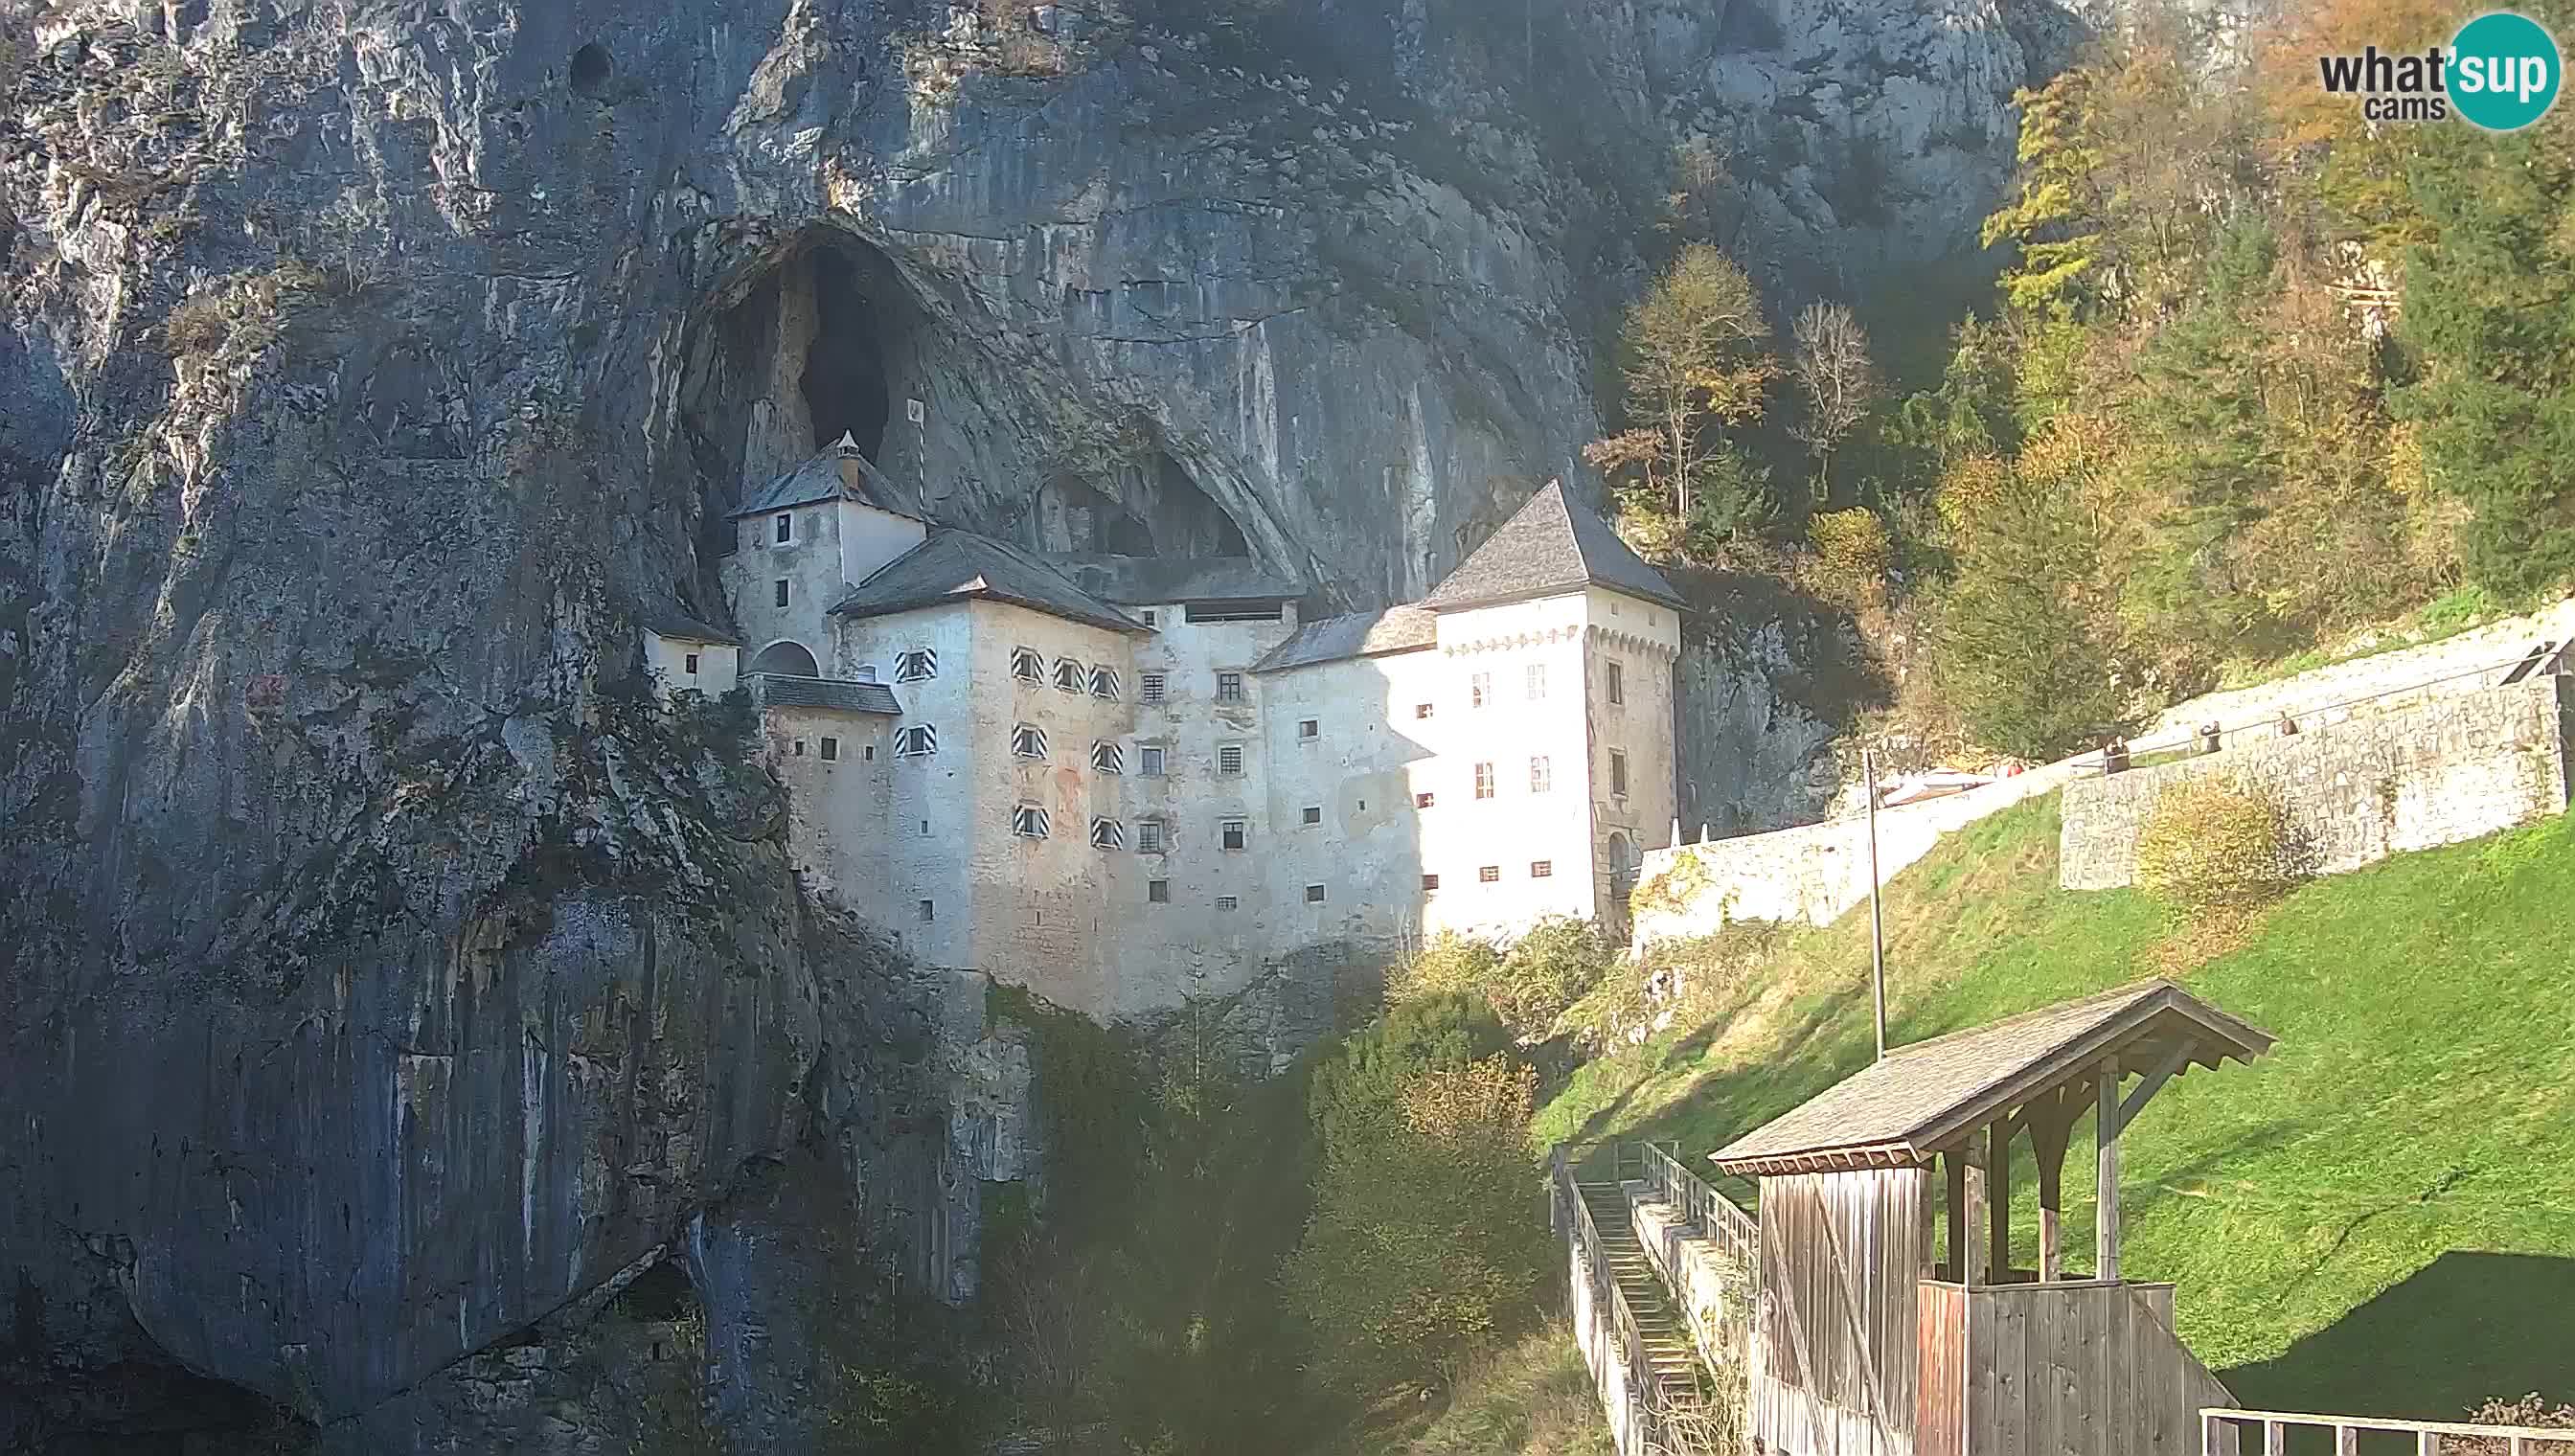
(785,527)
(1027,741)
(1070,675)
(1027,664)
(915,666)
(1105,684)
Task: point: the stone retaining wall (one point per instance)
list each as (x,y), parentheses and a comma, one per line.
(2452,769)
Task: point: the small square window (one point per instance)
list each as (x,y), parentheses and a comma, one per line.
(1151,836)
(785,527)
(1424,800)
(1236,833)
(1489,874)
(1313,894)
(1148,760)
(778,592)
(1615,677)
(1227,902)
(1429,882)
(1479,689)
(928,911)
(1152,687)
(1308,727)
(1228,759)
(1153,617)
(1314,813)
(1483,781)
(831,751)
(692,665)
(1157,891)
(1541,868)
(1228,686)
(800,747)
(1422,709)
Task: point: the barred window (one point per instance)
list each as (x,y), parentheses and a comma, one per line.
(1158,891)
(1483,781)
(1028,821)
(1479,689)
(1108,757)
(1070,675)
(1236,833)
(1228,759)
(1107,834)
(917,740)
(1541,868)
(1226,902)
(1152,687)
(1489,874)
(1027,741)
(1228,686)
(1027,664)
(1541,773)
(1103,683)
(1536,681)
(916,664)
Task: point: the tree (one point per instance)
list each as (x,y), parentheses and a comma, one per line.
(2015,643)
(1833,369)
(1695,366)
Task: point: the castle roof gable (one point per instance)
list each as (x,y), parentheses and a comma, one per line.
(836,472)
(1357,634)
(1553,546)
(960,566)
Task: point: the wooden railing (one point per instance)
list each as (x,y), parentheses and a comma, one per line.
(1645,1395)
(2216,1421)
(1733,1230)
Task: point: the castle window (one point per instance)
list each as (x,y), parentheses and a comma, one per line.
(1226,902)
(800,747)
(1157,891)
(1536,681)
(1148,760)
(1153,617)
(916,665)
(1070,676)
(1489,875)
(1152,687)
(1618,772)
(1614,677)
(1541,774)
(1314,813)
(1541,868)
(1313,894)
(1107,834)
(690,664)
(1308,727)
(1483,781)
(1236,833)
(1429,882)
(1228,686)
(928,911)
(868,751)
(1029,742)
(1151,837)
(1479,689)
(1027,665)
(785,527)
(1229,761)
(778,592)
(1422,709)
(831,751)
(916,742)
(1424,799)
(1028,821)
(866,671)
(1103,683)
(1108,757)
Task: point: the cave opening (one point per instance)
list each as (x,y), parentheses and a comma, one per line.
(844,384)
(1190,518)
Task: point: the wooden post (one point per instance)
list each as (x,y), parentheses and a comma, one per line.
(2106,1218)
(2050,1128)
(1953,1264)
(1998,1196)
(1970,1248)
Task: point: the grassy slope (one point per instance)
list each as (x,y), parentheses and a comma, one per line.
(2379,1217)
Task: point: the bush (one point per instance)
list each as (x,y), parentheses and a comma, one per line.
(2210,843)
(1547,970)
(2530,1410)
(1852,553)
(1452,964)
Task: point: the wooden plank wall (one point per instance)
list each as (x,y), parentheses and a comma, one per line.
(1865,1299)
(2079,1369)
(1939,1401)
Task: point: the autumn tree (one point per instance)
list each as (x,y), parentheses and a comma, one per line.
(1697,366)
(1833,371)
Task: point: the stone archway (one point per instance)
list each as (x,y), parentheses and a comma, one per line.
(788,658)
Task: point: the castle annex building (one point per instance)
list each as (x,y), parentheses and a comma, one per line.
(1125,781)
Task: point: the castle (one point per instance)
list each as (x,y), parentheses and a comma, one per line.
(1124,782)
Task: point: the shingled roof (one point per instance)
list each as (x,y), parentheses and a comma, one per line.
(959,565)
(781,690)
(1358,635)
(680,627)
(837,471)
(1553,546)
(1135,580)
(1923,1098)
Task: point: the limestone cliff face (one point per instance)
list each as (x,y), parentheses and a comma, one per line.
(377,978)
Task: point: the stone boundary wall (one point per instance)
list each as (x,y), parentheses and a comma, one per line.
(2452,769)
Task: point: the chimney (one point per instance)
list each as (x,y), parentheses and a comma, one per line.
(852,476)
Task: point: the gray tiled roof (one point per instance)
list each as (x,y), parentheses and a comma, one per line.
(1553,545)
(818,479)
(1930,1093)
(680,627)
(779,690)
(1135,580)
(1360,635)
(956,566)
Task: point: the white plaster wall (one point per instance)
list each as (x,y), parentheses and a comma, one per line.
(1645,641)
(667,659)
(869,537)
(915,850)
(836,808)
(1361,771)
(812,566)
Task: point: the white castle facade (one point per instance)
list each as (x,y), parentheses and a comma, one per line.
(1125,782)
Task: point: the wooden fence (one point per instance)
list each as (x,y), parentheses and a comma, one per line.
(1633,1400)
(2089,1366)
(2219,1427)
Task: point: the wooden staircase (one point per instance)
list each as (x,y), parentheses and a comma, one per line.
(1671,1355)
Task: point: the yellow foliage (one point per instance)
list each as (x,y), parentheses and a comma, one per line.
(2211,844)
(1480,1104)
(1852,550)
(1970,490)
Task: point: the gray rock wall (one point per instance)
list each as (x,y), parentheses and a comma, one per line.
(2356,791)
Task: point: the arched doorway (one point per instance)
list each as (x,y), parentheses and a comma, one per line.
(787,659)
(1621,857)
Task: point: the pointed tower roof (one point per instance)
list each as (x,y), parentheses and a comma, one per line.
(1553,546)
(837,471)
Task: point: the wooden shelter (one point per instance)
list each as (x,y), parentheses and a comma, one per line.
(1868,1340)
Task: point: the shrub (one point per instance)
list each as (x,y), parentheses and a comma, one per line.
(1548,969)
(1668,891)
(1852,552)
(2210,843)
(1452,964)
(2530,1410)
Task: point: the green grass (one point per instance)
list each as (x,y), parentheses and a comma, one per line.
(2379,1217)
(2443,617)
(1529,1398)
